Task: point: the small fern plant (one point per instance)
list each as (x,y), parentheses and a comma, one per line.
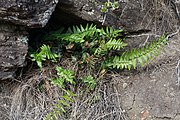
(44,54)
(97,48)
(89,81)
(63,76)
(100,47)
(59,107)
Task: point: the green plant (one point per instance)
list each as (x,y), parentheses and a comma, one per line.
(97,49)
(109,5)
(100,47)
(129,59)
(60,106)
(43,55)
(63,76)
(89,82)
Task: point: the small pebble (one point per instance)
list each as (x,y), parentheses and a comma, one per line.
(125,85)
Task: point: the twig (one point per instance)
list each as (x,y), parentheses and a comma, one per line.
(140,35)
(173,34)
(103,116)
(104,19)
(178,73)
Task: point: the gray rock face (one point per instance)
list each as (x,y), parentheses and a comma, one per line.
(31,13)
(13,38)
(13,49)
(132,15)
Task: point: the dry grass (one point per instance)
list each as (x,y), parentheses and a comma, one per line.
(28,102)
(102,104)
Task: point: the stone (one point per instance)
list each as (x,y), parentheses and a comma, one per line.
(16,17)
(13,49)
(139,16)
(31,13)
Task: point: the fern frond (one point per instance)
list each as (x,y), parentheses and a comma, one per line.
(130,59)
(112,44)
(59,108)
(109,32)
(45,53)
(89,82)
(46,50)
(63,76)
(76,34)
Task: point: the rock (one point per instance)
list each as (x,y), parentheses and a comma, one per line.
(31,13)
(142,20)
(83,9)
(132,15)
(16,16)
(13,49)
(158,94)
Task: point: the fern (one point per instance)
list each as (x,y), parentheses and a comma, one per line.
(130,59)
(96,44)
(44,54)
(92,48)
(46,51)
(89,82)
(76,34)
(60,106)
(63,76)
(112,44)
(110,33)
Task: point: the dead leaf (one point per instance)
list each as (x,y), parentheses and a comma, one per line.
(144,114)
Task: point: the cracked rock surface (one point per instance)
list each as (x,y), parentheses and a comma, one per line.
(31,13)
(133,15)
(153,93)
(15,17)
(13,49)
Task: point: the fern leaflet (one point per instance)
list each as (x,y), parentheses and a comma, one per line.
(130,59)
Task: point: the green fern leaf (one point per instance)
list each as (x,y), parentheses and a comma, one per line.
(45,53)
(67,75)
(130,59)
(114,44)
(63,103)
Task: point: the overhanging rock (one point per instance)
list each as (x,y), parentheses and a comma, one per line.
(143,20)
(31,13)
(16,16)
(132,15)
